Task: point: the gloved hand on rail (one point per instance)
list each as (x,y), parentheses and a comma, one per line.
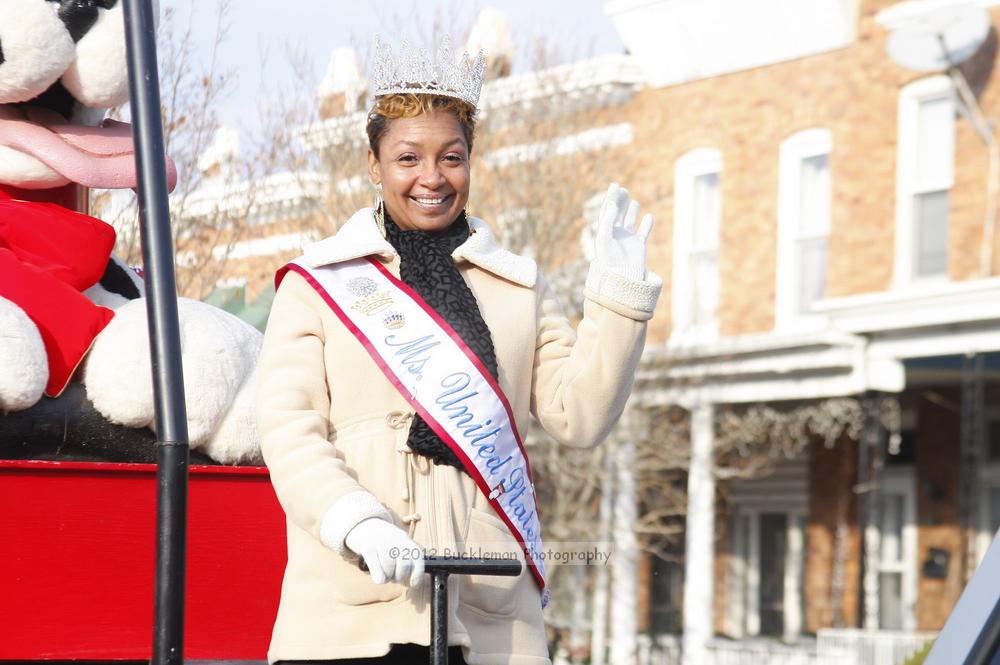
(390,554)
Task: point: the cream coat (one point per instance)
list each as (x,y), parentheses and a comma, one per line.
(334,433)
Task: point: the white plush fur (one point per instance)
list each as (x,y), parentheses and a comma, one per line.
(623,294)
(24,370)
(345,514)
(37,48)
(482,249)
(360,237)
(21,170)
(98,295)
(38,51)
(219,353)
(98,75)
(236,440)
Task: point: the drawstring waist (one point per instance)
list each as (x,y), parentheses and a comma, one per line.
(413,464)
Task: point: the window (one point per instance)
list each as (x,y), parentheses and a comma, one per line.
(803,225)
(666,597)
(925,174)
(697,219)
(765,576)
(765,582)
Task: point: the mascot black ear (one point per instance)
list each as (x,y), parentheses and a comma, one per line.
(98,75)
(35,48)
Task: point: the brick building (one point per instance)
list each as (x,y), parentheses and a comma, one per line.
(827,242)
(824,228)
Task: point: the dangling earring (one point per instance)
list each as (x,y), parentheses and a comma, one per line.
(379,210)
(465,211)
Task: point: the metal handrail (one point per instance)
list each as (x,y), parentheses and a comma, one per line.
(440,568)
(164,333)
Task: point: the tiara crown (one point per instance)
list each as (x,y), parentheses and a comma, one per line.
(415,72)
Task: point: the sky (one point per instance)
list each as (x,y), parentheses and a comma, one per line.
(261,31)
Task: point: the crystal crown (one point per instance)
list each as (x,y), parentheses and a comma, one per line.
(416,72)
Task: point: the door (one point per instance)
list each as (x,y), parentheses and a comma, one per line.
(897,580)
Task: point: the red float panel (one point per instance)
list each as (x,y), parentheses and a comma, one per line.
(77,551)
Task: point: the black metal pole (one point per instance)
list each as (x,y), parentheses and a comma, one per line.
(439,618)
(439,568)
(865,489)
(164,334)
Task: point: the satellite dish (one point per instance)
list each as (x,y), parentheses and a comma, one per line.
(931,36)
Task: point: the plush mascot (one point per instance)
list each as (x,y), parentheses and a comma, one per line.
(75,380)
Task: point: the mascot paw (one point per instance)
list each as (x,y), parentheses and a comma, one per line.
(219,355)
(24,369)
(236,440)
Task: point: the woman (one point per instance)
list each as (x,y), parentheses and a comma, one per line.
(372,454)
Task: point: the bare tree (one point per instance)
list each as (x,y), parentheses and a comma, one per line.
(213,197)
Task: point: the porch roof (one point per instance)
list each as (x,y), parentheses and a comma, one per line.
(860,345)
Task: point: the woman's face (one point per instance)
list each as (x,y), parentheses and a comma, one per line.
(423,166)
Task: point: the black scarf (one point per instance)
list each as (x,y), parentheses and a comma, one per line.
(427,267)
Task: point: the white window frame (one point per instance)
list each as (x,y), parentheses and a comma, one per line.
(697,162)
(902,481)
(910,98)
(794,150)
(989,478)
(588,234)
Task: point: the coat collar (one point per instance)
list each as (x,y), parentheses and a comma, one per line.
(360,237)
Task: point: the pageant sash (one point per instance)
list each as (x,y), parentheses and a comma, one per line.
(443,380)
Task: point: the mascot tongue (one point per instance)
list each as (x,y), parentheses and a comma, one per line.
(101,157)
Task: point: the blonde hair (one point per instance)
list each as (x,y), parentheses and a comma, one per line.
(409,105)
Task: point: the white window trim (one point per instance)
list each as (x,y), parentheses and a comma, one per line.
(796,148)
(795,561)
(989,477)
(736,576)
(698,162)
(588,234)
(910,97)
(902,481)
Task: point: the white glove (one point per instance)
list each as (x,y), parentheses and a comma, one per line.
(621,246)
(391,556)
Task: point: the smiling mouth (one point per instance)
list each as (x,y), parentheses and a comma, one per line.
(430,201)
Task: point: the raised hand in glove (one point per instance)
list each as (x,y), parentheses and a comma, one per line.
(620,243)
(390,554)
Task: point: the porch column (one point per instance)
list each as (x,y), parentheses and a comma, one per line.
(599,617)
(870,461)
(700,538)
(972,440)
(625,590)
